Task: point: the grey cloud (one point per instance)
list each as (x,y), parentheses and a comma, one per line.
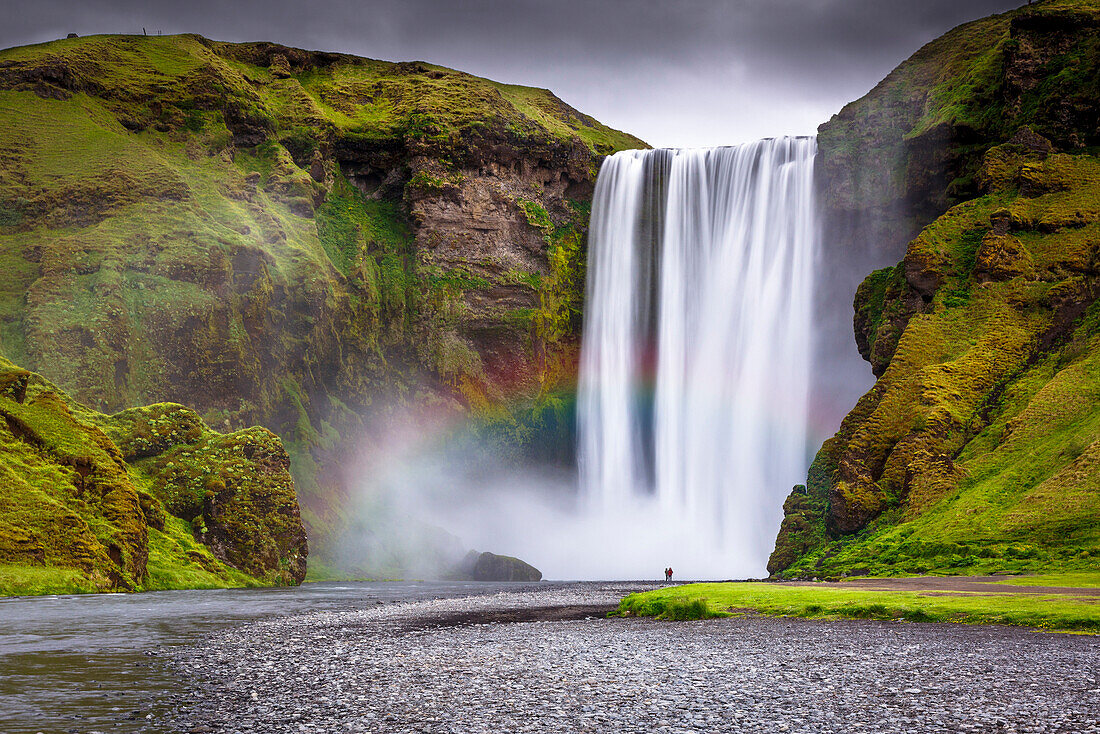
(682,72)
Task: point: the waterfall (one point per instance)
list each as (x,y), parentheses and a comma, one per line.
(692,405)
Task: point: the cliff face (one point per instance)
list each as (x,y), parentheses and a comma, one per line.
(148,498)
(975,450)
(288,238)
(894,160)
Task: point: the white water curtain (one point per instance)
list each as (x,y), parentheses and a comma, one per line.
(695,358)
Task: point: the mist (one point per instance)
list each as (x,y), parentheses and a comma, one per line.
(427,497)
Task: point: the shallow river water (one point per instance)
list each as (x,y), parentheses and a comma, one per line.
(87,663)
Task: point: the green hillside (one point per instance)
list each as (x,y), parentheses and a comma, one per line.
(978,449)
(300,240)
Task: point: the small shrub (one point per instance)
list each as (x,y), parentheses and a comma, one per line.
(917,615)
(682,609)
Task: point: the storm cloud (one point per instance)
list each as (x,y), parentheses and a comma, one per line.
(678,73)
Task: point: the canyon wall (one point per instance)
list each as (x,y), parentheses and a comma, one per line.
(975,163)
(301,240)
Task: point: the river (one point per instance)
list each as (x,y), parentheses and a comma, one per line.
(86,663)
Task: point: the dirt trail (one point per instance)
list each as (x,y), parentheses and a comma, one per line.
(954,585)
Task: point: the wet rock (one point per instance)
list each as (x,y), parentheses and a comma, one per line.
(491,567)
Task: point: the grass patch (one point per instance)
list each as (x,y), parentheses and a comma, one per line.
(836,601)
(24,580)
(677,608)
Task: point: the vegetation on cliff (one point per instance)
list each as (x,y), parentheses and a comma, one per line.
(148,498)
(977,450)
(913,146)
(288,238)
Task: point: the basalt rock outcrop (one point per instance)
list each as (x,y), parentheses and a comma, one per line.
(975,449)
(493,567)
(148,498)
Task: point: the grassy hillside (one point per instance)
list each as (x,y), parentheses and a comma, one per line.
(148,498)
(978,449)
(914,144)
(295,239)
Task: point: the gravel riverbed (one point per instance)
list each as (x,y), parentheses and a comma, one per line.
(546,660)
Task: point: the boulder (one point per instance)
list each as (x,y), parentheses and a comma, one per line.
(491,567)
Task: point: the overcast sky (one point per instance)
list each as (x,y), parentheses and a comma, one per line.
(677,73)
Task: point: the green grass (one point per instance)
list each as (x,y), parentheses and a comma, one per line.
(25,580)
(178,561)
(834,601)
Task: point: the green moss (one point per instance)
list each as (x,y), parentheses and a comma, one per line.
(536,216)
(561,295)
(76,517)
(457,280)
(351,228)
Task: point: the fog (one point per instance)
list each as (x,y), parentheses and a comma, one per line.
(429,495)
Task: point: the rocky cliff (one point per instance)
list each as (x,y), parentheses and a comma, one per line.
(896,159)
(148,498)
(294,239)
(976,449)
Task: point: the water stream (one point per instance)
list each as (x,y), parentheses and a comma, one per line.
(96,663)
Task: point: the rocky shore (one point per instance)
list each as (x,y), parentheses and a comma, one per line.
(546,659)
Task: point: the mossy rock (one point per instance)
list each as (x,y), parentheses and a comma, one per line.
(75,516)
(237,490)
(153,429)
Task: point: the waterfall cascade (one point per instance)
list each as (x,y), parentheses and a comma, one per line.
(696,349)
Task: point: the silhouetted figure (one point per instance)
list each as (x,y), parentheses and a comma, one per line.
(668,574)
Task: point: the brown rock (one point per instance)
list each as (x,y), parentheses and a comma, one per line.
(1002,257)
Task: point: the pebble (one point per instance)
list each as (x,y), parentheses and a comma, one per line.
(405,668)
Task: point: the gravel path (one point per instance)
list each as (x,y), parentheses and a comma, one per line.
(433,667)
